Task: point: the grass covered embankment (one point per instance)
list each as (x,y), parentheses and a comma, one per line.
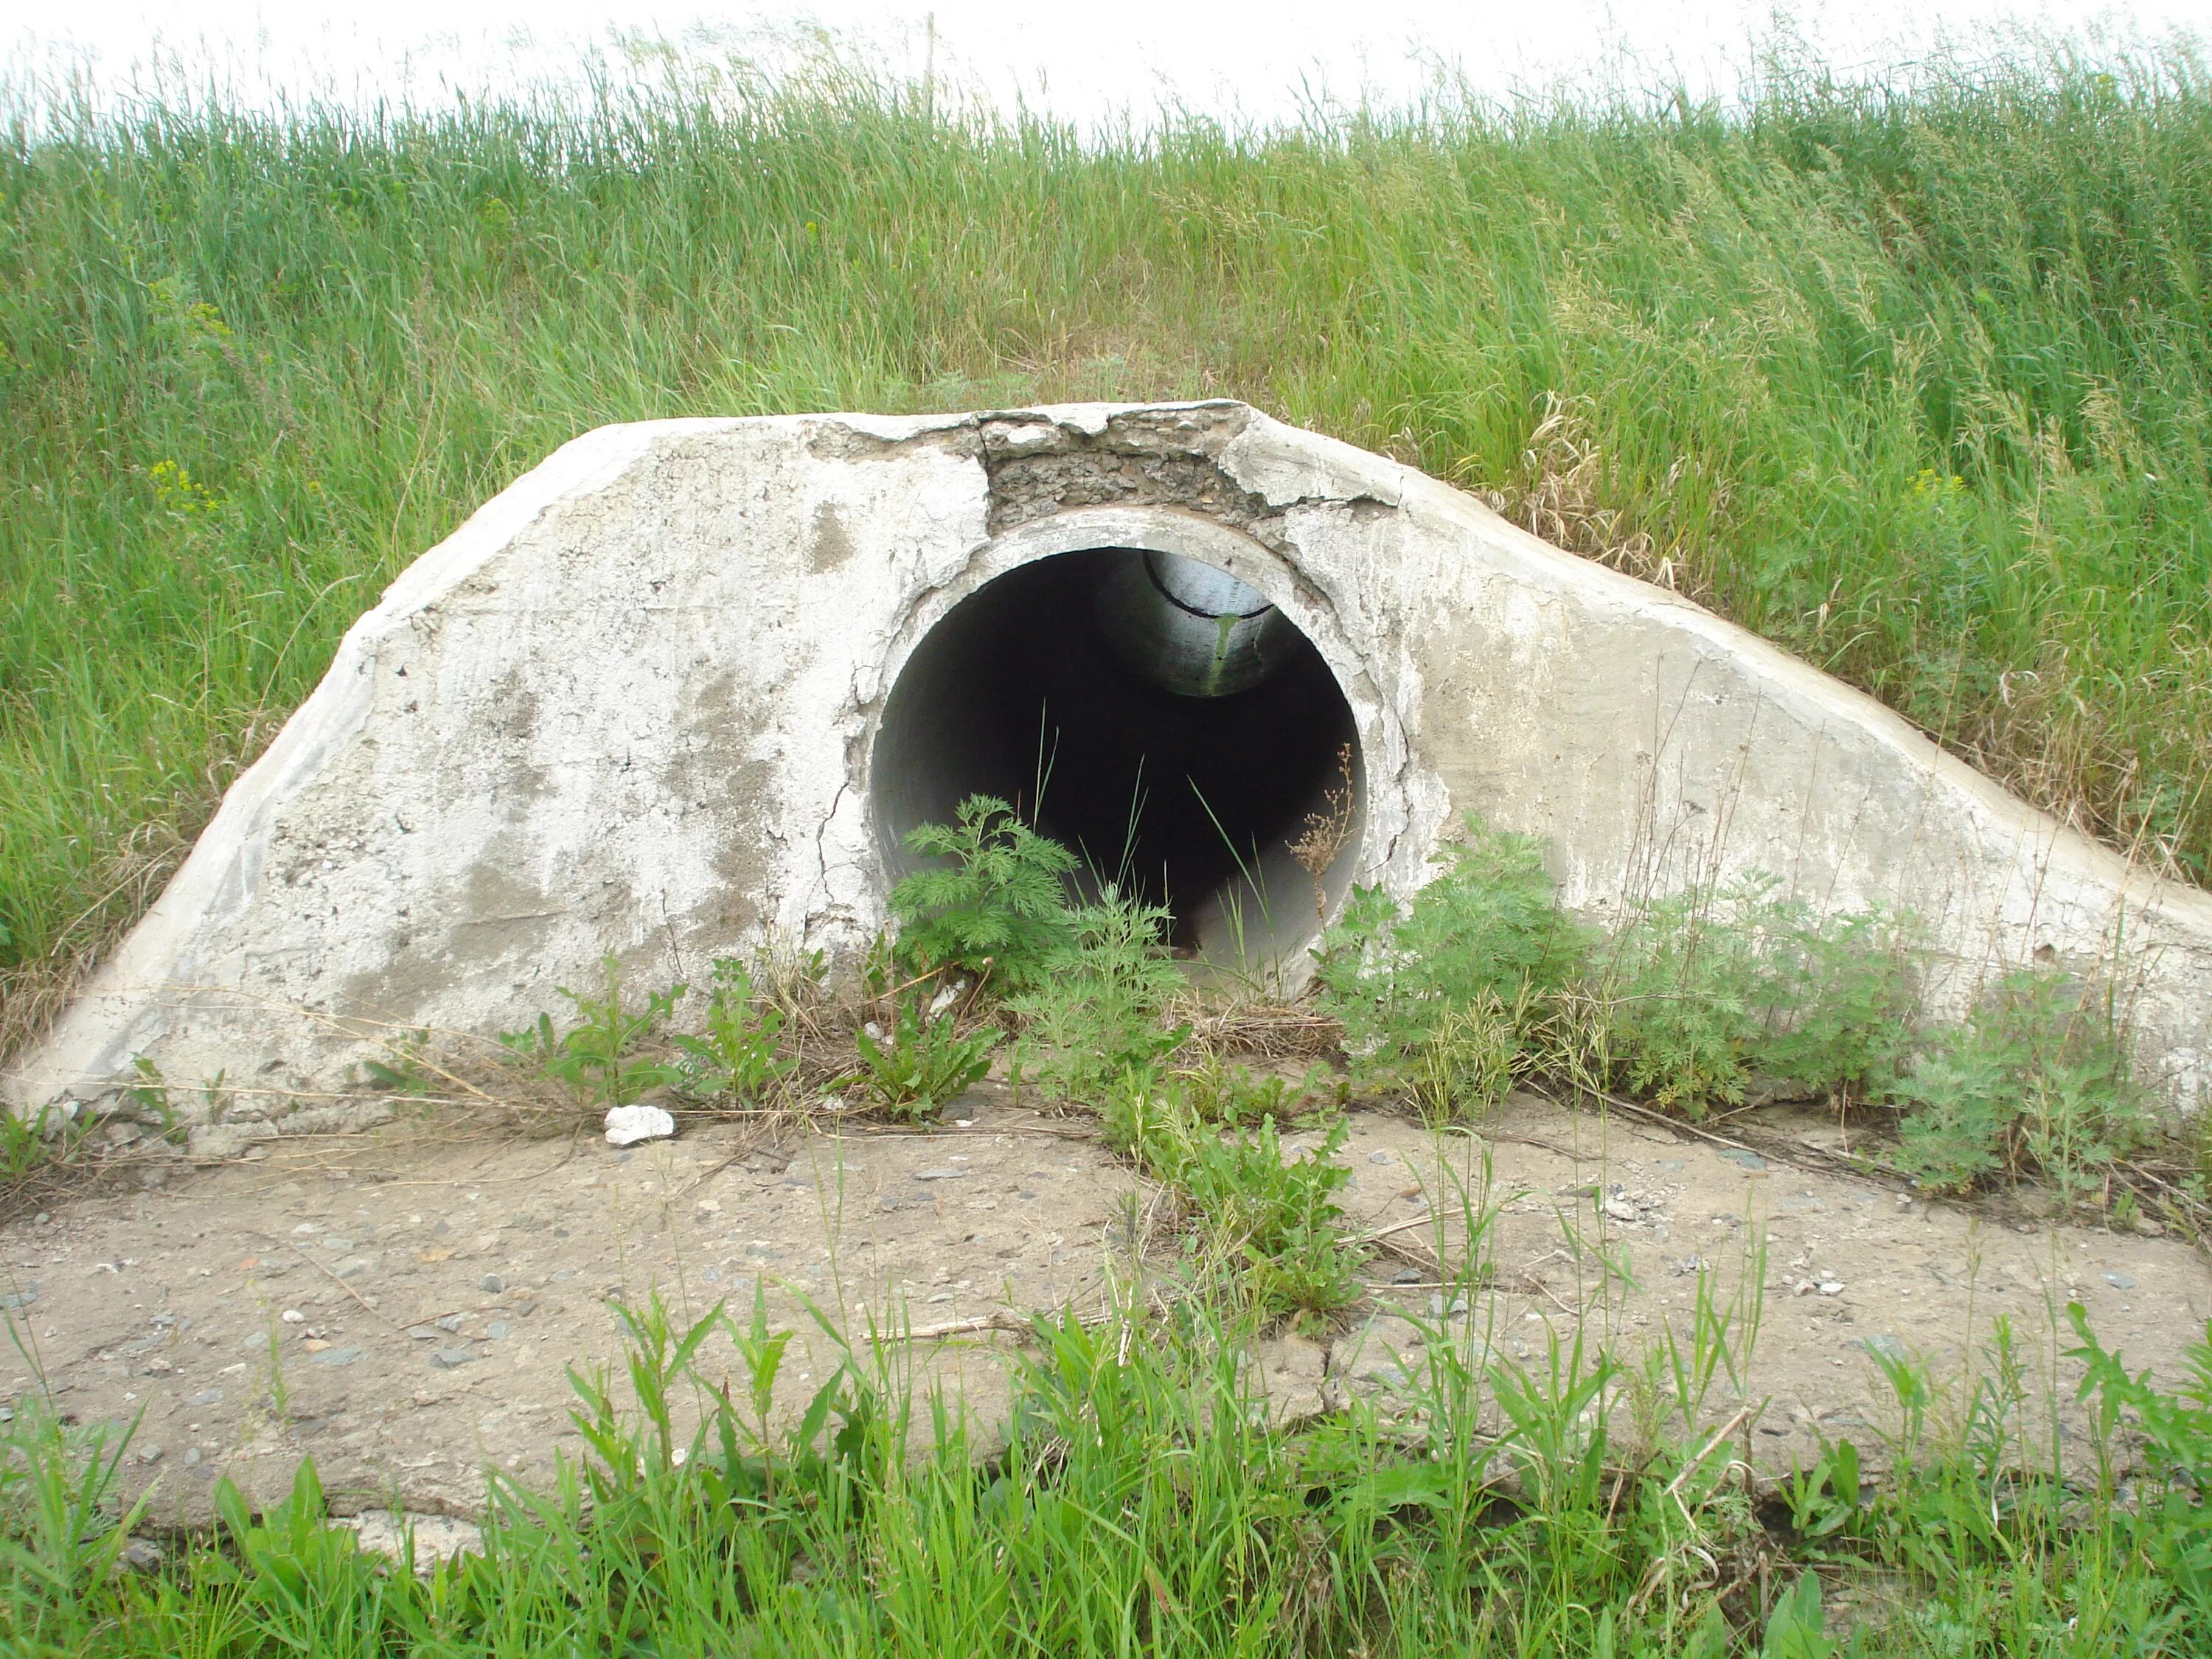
(1913,380)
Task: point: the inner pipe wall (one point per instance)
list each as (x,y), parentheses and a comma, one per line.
(1036,689)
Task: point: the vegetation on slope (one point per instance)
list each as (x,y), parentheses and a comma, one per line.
(1914,379)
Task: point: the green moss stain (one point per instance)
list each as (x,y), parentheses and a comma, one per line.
(1223,628)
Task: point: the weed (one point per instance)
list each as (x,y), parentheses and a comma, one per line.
(1683,991)
(1216,1090)
(998,912)
(738,1056)
(1138,1493)
(1145,1104)
(1561,1436)
(1328,833)
(406,1069)
(1683,1368)
(41,1141)
(1138,1109)
(921,1062)
(299,1583)
(59,1543)
(1483,983)
(2036,1079)
(1798,1629)
(1475,1052)
(595,1059)
(2173,1523)
(760,1353)
(150,1094)
(40,1154)
(1840,1000)
(1828,1499)
(1703,992)
(1100,1010)
(279,1390)
(1274,1224)
(1279,1218)
(734,1459)
(1485,931)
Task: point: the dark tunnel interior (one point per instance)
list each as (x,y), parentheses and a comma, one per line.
(1178,751)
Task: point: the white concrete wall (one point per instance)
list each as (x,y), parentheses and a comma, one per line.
(627,706)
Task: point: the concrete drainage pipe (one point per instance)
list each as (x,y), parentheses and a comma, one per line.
(1153,713)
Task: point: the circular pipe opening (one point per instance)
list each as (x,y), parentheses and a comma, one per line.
(1155,715)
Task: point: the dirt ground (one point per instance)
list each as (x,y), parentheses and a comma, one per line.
(403,1307)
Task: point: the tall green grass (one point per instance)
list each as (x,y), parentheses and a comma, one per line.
(1915,380)
(1139,1503)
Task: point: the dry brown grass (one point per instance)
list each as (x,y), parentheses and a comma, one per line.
(1262,1029)
(33,993)
(1558,493)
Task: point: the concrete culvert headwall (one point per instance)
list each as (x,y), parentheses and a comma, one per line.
(679,692)
(1157,716)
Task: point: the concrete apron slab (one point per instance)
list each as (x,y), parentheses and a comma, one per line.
(443,1288)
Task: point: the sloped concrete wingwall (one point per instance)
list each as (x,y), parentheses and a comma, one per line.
(630,706)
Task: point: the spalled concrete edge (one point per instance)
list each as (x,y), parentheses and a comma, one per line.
(1466,647)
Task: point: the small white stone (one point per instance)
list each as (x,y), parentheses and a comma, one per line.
(1830,1287)
(294,1316)
(627,1125)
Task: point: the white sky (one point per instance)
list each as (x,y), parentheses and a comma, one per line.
(1228,58)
